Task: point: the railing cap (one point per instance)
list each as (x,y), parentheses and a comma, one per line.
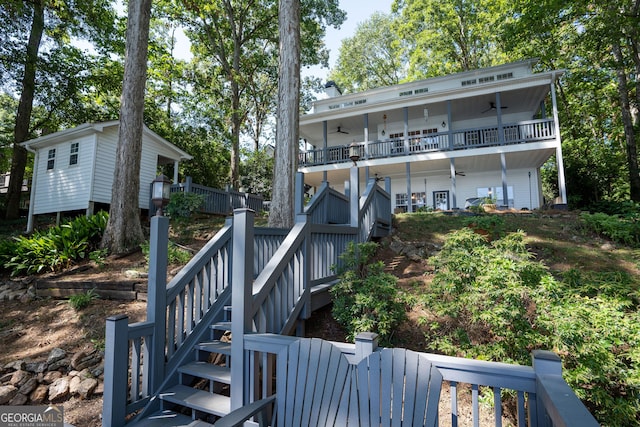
(117,317)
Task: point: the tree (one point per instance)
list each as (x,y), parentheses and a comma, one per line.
(48,81)
(441,37)
(124,231)
(371,58)
(286,156)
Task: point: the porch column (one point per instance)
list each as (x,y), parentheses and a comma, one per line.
(499,115)
(405,111)
(452,171)
(354,196)
(409,200)
(175,171)
(366,135)
(559,161)
(505,193)
(324,148)
(449,116)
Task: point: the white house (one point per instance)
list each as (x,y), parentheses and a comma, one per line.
(442,140)
(73,169)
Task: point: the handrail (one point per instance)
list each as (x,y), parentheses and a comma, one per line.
(512,133)
(374,210)
(328,206)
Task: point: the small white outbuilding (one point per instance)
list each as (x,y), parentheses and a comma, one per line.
(73,169)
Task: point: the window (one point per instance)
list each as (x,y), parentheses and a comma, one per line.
(51,159)
(73,157)
(401,201)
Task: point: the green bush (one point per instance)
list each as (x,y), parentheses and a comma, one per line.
(182,205)
(83,300)
(55,248)
(366,299)
(175,254)
(489,300)
(622,230)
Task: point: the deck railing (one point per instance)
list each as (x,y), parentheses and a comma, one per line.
(512,133)
(542,397)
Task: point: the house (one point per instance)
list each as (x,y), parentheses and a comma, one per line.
(475,134)
(73,169)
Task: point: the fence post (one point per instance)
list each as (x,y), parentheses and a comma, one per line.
(187,184)
(241,301)
(157,296)
(116,370)
(366,343)
(544,363)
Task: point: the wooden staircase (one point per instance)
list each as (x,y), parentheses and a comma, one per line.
(173,381)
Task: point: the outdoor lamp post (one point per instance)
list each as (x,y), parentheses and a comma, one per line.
(160,192)
(354,153)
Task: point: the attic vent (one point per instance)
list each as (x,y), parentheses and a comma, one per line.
(486,79)
(468,82)
(504,76)
(408,92)
(360,101)
(422,90)
(334,106)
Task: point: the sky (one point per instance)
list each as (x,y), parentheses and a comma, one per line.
(357,12)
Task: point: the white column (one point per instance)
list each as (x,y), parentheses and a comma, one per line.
(562,187)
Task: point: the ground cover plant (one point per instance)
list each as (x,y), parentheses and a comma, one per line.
(491,299)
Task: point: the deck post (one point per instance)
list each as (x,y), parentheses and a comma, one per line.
(544,363)
(115,371)
(366,343)
(157,296)
(241,298)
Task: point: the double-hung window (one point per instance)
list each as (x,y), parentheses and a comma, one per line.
(73,156)
(51,159)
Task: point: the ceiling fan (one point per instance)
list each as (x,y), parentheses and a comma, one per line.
(340,130)
(492,106)
(461,173)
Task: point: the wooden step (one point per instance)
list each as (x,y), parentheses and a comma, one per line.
(215,346)
(199,400)
(207,371)
(221,326)
(170,419)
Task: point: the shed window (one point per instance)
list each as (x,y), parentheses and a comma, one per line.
(73,157)
(51,159)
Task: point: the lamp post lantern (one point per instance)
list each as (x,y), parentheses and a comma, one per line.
(160,192)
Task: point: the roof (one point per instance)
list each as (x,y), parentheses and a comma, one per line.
(92,128)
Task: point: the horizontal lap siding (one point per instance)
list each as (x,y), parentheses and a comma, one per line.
(105,165)
(66,187)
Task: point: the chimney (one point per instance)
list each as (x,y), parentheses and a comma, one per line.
(331,89)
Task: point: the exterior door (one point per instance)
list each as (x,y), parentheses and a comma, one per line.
(441,200)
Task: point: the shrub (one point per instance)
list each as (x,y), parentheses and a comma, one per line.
(621,230)
(82,300)
(57,247)
(182,205)
(489,300)
(366,299)
(175,254)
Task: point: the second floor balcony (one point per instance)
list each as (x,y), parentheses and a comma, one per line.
(465,139)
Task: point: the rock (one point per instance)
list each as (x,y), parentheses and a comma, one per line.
(29,386)
(56,355)
(59,389)
(99,390)
(7,392)
(98,370)
(19,378)
(62,363)
(74,386)
(84,359)
(6,377)
(39,395)
(36,367)
(87,387)
(16,365)
(51,376)
(18,400)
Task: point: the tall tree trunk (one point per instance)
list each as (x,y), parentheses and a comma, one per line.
(627,122)
(124,231)
(23,116)
(286,154)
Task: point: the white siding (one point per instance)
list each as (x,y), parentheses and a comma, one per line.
(104,165)
(65,187)
(148,170)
